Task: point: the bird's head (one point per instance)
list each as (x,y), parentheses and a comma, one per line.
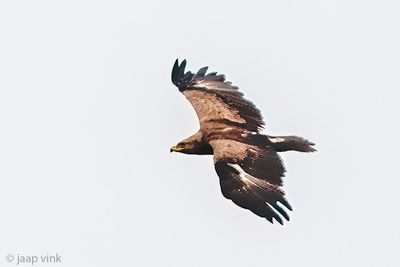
(182,147)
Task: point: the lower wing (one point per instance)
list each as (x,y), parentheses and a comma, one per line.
(234,163)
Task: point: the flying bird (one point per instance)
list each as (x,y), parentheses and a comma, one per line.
(249,168)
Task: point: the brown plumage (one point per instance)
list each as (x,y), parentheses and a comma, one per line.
(246,161)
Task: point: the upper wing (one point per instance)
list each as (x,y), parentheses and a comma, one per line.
(251,177)
(215,99)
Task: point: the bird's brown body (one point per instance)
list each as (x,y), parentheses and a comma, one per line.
(246,161)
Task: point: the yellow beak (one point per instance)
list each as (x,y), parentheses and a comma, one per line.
(176,149)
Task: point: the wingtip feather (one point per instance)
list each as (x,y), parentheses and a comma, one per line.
(285,203)
(175,72)
(182,68)
(202,72)
(278,219)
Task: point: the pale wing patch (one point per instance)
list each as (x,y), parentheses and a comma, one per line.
(249,179)
(219,86)
(227,129)
(209,107)
(276,139)
(247,133)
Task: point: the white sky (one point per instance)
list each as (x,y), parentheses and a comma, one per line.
(88,114)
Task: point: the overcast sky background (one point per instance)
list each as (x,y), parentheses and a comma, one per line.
(88,114)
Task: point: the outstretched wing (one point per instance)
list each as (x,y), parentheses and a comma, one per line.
(215,99)
(251,177)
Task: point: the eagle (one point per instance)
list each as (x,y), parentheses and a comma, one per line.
(247,162)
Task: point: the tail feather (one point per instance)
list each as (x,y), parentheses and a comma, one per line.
(287,143)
